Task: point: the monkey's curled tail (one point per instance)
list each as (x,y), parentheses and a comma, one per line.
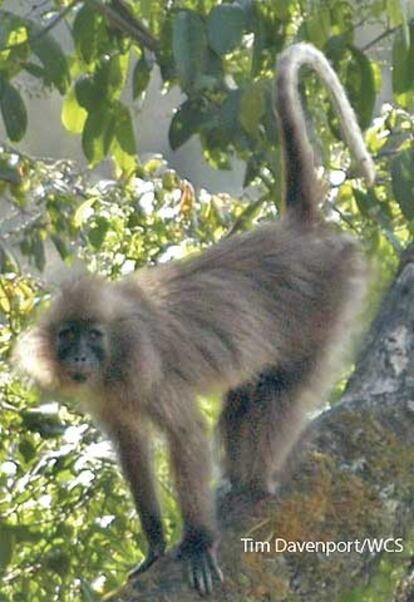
(303,191)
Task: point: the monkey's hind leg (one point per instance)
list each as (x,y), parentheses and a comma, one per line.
(259,424)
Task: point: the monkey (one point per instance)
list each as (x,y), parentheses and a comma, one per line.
(256,317)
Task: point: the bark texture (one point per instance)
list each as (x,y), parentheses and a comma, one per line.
(350,477)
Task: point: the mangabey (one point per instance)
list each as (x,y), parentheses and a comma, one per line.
(259,311)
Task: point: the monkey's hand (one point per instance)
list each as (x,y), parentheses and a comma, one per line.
(202,566)
(154,553)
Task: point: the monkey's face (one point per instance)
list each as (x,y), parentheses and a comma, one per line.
(81,351)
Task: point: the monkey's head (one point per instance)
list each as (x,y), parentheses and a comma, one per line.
(94,333)
(70,344)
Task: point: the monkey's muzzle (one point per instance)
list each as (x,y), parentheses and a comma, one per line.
(79,377)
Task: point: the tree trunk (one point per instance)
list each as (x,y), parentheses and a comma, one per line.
(350,478)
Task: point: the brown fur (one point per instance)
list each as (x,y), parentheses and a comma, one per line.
(259,316)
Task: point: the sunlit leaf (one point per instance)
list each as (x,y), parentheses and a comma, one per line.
(98,133)
(11,24)
(111,75)
(403,62)
(252,107)
(360,85)
(84,212)
(124,129)
(318,26)
(225,26)
(140,77)
(402,173)
(88,28)
(73,115)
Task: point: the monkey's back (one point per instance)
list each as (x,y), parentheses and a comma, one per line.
(253,301)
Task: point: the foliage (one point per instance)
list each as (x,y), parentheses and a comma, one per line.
(59,489)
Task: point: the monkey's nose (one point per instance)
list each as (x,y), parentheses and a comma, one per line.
(80,359)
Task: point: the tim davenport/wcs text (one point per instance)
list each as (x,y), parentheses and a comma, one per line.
(371,545)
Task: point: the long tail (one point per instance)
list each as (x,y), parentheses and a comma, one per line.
(303,191)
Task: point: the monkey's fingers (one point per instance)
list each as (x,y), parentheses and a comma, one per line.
(202,570)
(152,556)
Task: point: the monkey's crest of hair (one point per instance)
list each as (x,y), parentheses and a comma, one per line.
(88,296)
(120,308)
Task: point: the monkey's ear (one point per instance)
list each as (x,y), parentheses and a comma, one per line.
(33,354)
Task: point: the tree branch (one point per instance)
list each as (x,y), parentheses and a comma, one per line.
(380,37)
(120,17)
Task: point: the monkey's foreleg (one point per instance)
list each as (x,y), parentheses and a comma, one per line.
(135,460)
(190,459)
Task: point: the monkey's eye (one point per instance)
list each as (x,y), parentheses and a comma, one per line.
(95,334)
(66,333)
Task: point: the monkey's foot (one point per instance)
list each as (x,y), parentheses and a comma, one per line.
(153,555)
(202,566)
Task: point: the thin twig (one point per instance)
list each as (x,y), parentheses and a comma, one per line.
(123,19)
(380,37)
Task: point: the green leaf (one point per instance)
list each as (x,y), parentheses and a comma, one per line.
(58,561)
(402,178)
(125,163)
(124,130)
(11,24)
(46,425)
(27,449)
(6,547)
(98,232)
(252,106)
(83,212)
(35,70)
(364,202)
(87,93)
(360,85)
(73,115)
(38,250)
(87,27)
(98,134)
(184,124)
(189,47)
(247,216)
(371,207)
(225,26)
(50,54)
(13,111)
(9,173)
(110,76)
(403,62)
(60,245)
(228,116)
(165,57)
(140,77)
(318,26)
(117,74)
